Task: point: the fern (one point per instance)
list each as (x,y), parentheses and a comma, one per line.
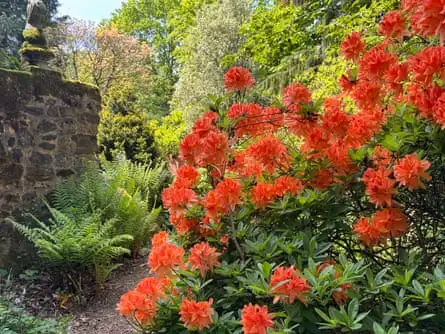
(86,242)
(120,190)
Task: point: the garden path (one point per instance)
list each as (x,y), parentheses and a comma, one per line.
(100,315)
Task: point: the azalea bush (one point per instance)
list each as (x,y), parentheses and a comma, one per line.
(304,216)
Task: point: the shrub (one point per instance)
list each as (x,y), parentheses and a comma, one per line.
(167,133)
(124,126)
(74,245)
(120,190)
(311,216)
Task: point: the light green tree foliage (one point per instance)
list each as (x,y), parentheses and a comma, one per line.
(214,36)
(167,133)
(181,19)
(149,20)
(301,42)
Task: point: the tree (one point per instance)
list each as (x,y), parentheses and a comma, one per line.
(292,41)
(100,55)
(119,65)
(148,20)
(214,36)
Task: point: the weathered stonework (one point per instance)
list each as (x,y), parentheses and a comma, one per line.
(48,126)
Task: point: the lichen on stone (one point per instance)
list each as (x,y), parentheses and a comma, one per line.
(34,36)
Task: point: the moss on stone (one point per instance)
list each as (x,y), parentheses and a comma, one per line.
(77,82)
(34,36)
(37,51)
(15,71)
(45,82)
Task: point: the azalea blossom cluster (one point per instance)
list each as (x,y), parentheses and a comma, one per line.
(245,157)
(380,187)
(165,260)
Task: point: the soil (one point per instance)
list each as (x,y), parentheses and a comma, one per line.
(99,316)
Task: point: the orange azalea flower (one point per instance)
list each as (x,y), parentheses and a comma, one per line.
(385,223)
(153,287)
(225,197)
(203,257)
(256,319)
(296,94)
(238,79)
(352,47)
(181,223)
(395,76)
(159,239)
(263,194)
(379,186)
(287,185)
(340,296)
(196,315)
(295,288)
(381,157)
(224,240)
(206,145)
(369,234)
(176,198)
(206,123)
(269,153)
(410,170)
(390,221)
(375,63)
(229,193)
(135,305)
(323,178)
(186,177)
(166,258)
(393,25)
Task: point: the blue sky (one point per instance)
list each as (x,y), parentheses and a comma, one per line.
(92,10)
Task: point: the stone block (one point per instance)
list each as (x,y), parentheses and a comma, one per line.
(47,146)
(85,144)
(11,173)
(40,167)
(34,111)
(46,126)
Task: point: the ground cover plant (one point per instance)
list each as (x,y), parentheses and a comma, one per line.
(307,216)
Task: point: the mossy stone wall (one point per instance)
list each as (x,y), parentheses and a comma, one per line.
(48,128)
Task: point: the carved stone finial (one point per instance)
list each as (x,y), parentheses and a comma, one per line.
(37,15)
(35,49)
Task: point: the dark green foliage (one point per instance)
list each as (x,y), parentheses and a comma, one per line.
(15,320)
(124,127)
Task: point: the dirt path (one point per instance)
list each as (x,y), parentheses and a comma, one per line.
(100,315)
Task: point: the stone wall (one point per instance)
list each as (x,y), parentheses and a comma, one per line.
(48,127)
